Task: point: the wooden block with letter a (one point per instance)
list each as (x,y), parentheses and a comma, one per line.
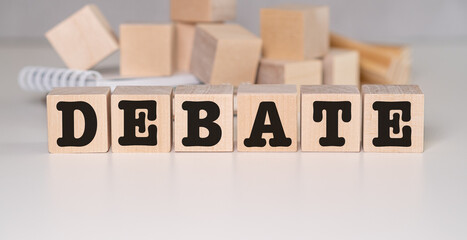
(308,72)
(78,120)
(83,39)
(341,67)
(203,118)
(146,50)
(203,10)
(184,39)
(331,118)
(393,118)
(225,53)
(295,32)
(267,118)
(141,119)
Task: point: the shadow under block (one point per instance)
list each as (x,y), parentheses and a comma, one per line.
(341,67)
(203,10)
(308,72)
(323,109)
(225,53)
(203,118)
(267,118)
(184,39)
(393,118)
(83,39)
(295,32)
(146,50)
(141,119)
(78,120)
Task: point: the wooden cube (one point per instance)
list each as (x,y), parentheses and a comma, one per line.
(267,118)
(141,119)
(341,67)
(331,118)
(184,39)
(78,120)
(295,32)
(393,118)
(225,53)
(308,72)
(146,50)
(203,118)
(203,10)
(83,39)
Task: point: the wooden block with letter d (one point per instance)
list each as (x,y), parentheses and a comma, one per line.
(203,118)
(203,10)
(267,118)
(225,53)
(331,118)
(393,118)
(341,67)
(83,39)
(141,119)
(146,50)
(295,32)
(308,72)
(78,120)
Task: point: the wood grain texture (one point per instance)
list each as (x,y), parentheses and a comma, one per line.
(312,131)
(308,72)
(393,93)
(203,10)
(184,40)
(83,39)
(249,98)
(225,53)
(99,99)
(222,95)
(146,50)
(295,32)
(163,121)
(341,67)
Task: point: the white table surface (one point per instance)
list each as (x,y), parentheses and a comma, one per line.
(235,195)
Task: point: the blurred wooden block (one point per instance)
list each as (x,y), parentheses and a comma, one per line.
(184,37)
(331,118)
(341,67)
(141,119)
(225,53)
(295,32)
(393,118)
(203,10)
(78,120)
(203,118)
(146,50)
(308,72)
(267,118)
(83,39)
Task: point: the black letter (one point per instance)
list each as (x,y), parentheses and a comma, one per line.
(195,123)
(384,123)
(332,109)
(275,127)
(130,122)
(68,124)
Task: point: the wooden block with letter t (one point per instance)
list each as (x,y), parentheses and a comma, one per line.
(78,120)
(393,118)
(83,39)
(203,10)
(267,118)
(341,67)
(203,118)
(141,119)
(295,32)
(308,72)
(146,50)
(331,118)
(225,53)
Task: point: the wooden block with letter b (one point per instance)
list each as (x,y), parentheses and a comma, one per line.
(203,118)
(78,120)
(308,72)
(295,32)
(225,53)
(203,10)
(146,50)
(341,67)
(141,119)
(393,118)
(83,39)
(267,118)
(331,118)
